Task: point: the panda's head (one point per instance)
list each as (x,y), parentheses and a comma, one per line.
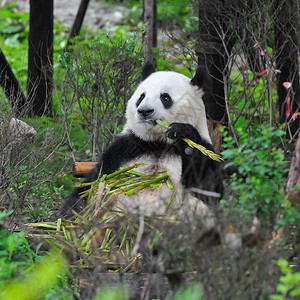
(170,97)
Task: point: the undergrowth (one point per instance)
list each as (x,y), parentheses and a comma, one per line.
(258,188)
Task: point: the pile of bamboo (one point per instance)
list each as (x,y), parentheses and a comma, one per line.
(101,232)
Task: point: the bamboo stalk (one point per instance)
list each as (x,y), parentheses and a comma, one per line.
(192,144)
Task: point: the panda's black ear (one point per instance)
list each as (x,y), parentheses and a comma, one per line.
(202,79)
(148,69)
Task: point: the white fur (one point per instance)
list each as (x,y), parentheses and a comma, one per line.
(188,106)
(154,201)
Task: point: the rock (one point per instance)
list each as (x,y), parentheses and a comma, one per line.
(19,130)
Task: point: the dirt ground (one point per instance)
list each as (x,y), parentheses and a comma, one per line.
(98,14)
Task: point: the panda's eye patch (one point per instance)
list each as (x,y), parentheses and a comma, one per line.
(166,100)
(140,99)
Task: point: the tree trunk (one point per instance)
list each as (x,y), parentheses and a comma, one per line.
(11,86)
(294,177)
(286,55)
(82,168)
(40,58)
(211,52)
(78,20)
(150,36)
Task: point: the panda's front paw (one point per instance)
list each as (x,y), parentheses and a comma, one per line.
(180,131)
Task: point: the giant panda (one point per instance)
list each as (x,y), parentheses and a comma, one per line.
(176,100)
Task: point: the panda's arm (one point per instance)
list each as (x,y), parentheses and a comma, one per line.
(198,170)
(123,149)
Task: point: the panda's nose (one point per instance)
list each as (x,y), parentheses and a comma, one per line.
(145,112)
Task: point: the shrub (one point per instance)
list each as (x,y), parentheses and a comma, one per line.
(101,75)
(258,187)
(15,253)
(289,285)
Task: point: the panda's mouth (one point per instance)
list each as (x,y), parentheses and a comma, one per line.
(148,121)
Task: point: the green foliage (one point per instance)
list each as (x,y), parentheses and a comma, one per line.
(38,182)
(40,282)
(259,187)
(14,29)
(16,256)
(44,198)
(169,9)
(176,13)
(249,97)
(193,292)
(39,275)
(12,22)
(115,293)
(289,286)
(103,70)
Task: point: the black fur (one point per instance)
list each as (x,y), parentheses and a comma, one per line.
(166,100)
(198,170)
(195,167)
(142,97)
(148,69)
(202,79)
